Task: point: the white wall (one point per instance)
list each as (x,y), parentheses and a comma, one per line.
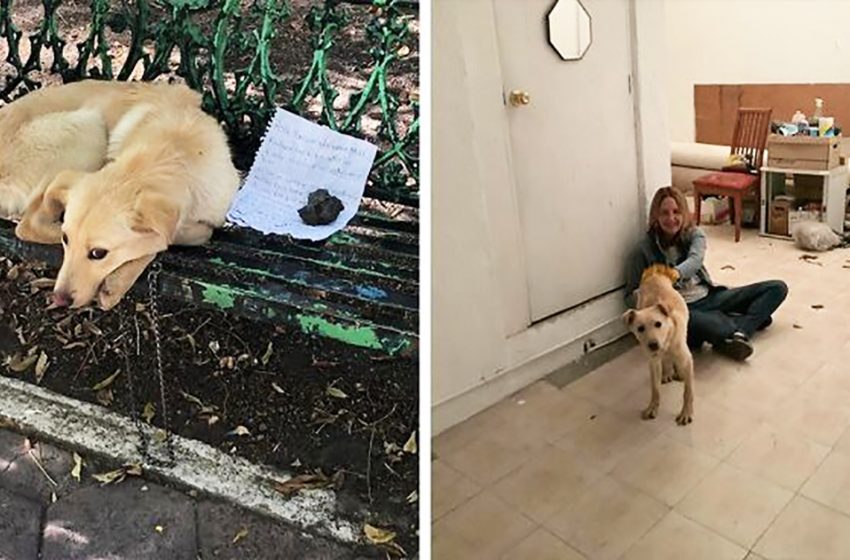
(751,41)
(477,358)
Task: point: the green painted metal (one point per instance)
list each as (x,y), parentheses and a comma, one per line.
(226,49)
(220,296)
(357,336)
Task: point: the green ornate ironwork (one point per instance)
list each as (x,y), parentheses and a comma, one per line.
(229,49)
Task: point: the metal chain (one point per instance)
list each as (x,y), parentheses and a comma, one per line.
(144,446)
(153,294)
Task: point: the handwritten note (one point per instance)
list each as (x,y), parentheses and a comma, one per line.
(295,158)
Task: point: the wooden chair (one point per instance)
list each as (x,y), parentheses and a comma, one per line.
(748,140)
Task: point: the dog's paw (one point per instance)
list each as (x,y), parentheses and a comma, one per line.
(667,378)
(649,412)
(684,418)
(108,297)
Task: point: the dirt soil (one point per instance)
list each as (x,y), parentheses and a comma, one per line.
(264,392)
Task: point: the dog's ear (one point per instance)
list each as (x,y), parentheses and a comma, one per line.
(154,218)
(42,220)
(663,309)
(629,317)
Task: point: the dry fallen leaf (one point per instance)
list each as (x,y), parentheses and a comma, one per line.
(413,497)
(105,397)
(336,393)
(727,267)
(158,529)
(240,535)
(106,382)
(78,467)
(796,326)
(41,367)
(301,482)
(817,306)
(377,535)
(268,354)
(403,51)
(19,365)
(110,477)
(410,446)
(278,389)
(239,431)
(149,412)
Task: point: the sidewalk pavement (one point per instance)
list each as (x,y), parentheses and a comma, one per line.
(47,514)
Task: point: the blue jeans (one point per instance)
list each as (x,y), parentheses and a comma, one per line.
(725,310)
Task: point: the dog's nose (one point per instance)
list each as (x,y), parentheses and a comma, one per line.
(62,299)
(653,346)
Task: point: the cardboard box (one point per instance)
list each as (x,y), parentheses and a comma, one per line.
(777,223)
(803,152)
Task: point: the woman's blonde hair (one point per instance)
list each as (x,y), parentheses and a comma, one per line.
(655,209)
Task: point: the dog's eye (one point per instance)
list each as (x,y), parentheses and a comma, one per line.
(62,217)
(65,238)
(657,324)
(641,328)
(97,253)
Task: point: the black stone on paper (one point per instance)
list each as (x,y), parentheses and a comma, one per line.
(322,208)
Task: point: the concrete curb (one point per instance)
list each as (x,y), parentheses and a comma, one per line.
(93,429)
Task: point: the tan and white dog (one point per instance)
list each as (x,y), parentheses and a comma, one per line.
(63,127)
(660,324)
(168,180)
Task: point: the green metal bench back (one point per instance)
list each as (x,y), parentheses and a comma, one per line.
(232,51)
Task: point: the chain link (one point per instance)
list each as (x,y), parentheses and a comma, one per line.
(144,444)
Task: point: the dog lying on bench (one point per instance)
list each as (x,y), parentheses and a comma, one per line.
(168,180)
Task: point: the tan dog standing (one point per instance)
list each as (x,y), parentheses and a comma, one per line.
(169,180)
(660,325)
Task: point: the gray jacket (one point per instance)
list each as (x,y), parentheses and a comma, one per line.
(649,252)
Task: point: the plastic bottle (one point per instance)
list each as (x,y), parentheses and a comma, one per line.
(818,111)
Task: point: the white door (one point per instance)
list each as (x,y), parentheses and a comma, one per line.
(573,152)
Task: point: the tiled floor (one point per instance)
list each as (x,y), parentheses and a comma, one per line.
(763,472)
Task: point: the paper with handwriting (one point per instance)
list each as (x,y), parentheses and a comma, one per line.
(295,158)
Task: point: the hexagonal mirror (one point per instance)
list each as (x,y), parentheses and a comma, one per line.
(569,29)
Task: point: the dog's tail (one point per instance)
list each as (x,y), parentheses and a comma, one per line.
(660,270)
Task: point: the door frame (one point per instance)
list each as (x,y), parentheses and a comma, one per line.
(503,207)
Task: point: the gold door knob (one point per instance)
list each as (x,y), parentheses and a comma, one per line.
(518,98)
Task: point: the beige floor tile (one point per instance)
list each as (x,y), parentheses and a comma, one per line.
(754,556)
(461,435)
(665,469)
(544,411)
(753,394)
(784,363)
(843,443)
(806,529)
(831,379)
(491,456)
(607,519)
(735,504)
(542,545)
(604,439)
(446,545)
(484,526)
(546,483)
(449,489)
(813,415)
(786,459)
(612,381)
(676,538)
(633,404)
(715,430)
(830,485)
